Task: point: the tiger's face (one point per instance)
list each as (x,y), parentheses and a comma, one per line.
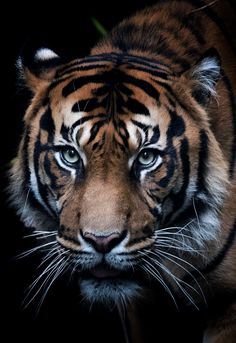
(121,162)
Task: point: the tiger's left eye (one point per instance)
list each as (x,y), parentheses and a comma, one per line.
(70,155)
(147,157)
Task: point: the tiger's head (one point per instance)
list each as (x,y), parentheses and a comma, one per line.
(118,159)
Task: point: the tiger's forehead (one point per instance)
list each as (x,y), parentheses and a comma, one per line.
(112,96)
(132,131)
(106,73)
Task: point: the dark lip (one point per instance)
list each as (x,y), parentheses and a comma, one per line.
(103,271)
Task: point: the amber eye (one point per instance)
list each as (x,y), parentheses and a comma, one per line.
(70,155)
(147,157)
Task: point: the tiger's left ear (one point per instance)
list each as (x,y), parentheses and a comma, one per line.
(37,69)
(203,76)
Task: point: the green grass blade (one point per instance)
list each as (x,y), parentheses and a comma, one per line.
(99,27)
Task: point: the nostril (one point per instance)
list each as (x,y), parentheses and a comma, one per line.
(104,243)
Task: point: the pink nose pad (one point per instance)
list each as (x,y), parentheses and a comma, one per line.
(104,244)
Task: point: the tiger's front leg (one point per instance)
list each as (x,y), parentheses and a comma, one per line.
(222,329)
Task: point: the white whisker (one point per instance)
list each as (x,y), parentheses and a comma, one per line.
(176,280)
(31,251)
(188,272)
(121,310)
(167,244)
(41,235)
(195,210)
(26,200)
(59,271)
(148,267)
(50,270)
(185,262)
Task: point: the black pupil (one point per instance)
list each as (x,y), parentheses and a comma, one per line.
(146,155)
(71,153)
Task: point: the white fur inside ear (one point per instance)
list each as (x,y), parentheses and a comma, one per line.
(45,54)
(207,73)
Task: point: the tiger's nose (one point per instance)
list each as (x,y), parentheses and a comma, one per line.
(104,243)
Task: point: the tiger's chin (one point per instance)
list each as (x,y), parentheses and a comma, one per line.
(109,291)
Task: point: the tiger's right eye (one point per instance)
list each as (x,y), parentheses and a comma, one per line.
(70,155)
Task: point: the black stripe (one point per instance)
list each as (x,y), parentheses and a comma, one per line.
(95,129)
(47,124)
(144,85)
(155,212)
(78,83)
(170,165)
(63,69)
(184,149)
(157,69)
(57,82)
(53,179)
(110,78)
(203,155)
(135,106)
(156,135)
(107,57)
(38,107)
(84,119)
(101,91)
(26,175)
(41,188)
(176,127)
(99,145)
(188,109)
(123,133)
(147,64)
(65,132)
(141,126)
(178,198)
(84,68)
(170,92)
(156,73)
(125,90)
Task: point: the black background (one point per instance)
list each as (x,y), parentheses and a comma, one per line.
(66,28)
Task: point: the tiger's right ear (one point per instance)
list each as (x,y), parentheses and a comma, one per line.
(38,70)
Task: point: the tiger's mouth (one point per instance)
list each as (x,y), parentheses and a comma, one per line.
(103,271)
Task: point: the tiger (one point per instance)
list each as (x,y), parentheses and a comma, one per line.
(126,163)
